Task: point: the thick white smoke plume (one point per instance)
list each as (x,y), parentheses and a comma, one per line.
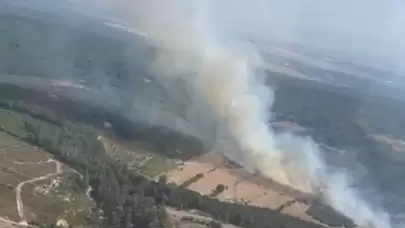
(223,76)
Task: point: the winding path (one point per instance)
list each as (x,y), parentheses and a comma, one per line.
(6,223)
(20,204)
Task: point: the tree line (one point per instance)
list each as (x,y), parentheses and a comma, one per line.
(125,198)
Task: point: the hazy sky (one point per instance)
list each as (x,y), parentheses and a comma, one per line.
(371,31)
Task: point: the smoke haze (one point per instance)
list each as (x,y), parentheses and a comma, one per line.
(201,48)
(225,78)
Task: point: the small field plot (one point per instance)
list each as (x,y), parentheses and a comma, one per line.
(137,156)
(156,166)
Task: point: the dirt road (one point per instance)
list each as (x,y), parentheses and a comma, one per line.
(19,201)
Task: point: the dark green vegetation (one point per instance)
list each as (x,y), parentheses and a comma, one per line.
(192,180)
(329,217)
(218,190)
(46,47)
(340,117)
(345,119)
(37,44)
(125,197)
(330,112)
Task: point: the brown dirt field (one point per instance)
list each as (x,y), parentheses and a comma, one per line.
(274,186)
(187,171)
(219,176)
(271,199)
(242,186)
(248,191)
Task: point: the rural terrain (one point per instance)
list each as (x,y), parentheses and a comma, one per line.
(84,140)
(30,177)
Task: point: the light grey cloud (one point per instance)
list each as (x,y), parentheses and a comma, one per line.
(365,31)
(370,32)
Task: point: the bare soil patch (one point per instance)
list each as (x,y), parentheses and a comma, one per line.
(241,186)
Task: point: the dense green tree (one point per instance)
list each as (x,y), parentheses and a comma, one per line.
(218,190)
(126,198)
